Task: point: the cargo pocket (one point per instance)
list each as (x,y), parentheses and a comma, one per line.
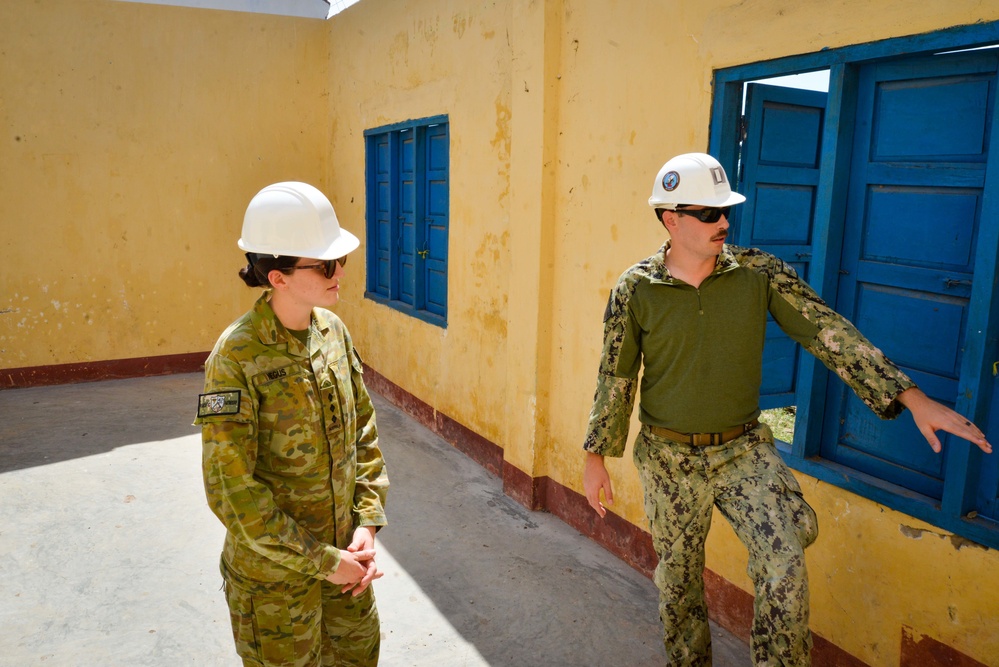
(274,624)
(806,524)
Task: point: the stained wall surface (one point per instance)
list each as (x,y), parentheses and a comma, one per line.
(567,112)
(133,137)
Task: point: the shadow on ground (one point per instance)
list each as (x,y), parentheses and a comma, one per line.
(108,552)
(43,425)
(521,586)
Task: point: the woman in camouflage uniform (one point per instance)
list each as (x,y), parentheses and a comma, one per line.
(291,460)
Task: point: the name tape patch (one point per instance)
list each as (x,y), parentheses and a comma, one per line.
(218,403)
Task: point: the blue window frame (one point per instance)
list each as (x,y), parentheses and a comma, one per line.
(408,215)
(882,192)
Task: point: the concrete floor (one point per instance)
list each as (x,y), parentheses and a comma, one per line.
(108,552)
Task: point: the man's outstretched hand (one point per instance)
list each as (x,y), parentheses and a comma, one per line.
(931,416)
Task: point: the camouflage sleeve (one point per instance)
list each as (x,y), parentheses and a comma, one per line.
(371,485)
(617,378)
(836,342)
(244,505)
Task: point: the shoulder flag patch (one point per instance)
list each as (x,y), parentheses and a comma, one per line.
(218,403)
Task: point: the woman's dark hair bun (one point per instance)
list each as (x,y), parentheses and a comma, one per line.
(254,274)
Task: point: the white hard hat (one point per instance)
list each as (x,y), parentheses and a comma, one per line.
(695,179)
(294,219)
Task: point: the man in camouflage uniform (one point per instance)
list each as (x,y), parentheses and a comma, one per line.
(694,316)
(291,462)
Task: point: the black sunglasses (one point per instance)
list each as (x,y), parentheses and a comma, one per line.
(705,214)
(328,266)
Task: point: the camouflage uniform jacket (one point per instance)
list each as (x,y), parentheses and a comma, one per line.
(291,460)
(702,348)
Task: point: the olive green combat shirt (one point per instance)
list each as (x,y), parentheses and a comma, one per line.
(291,459)
(702,348)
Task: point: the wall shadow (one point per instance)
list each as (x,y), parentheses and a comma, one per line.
(50,424)
(523,587)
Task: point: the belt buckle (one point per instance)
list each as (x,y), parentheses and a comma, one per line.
(705,439)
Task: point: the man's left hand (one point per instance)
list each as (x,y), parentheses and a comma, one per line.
(931,416)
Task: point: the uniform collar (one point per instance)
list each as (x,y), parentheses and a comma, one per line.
(659,273)
(270,331)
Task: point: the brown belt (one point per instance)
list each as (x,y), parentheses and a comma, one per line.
(705,439)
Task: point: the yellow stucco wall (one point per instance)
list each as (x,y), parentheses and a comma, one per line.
(580,105)
(434,58)
(134,135)
(873,569)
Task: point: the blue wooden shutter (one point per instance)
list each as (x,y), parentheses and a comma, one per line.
(780,166)
(379,215)
(405,258)
(915,199)
(435,218)
(987,493)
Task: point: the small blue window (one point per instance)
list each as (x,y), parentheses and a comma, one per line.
(407,217)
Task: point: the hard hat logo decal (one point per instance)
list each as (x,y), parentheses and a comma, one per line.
(670,181)
(692,179)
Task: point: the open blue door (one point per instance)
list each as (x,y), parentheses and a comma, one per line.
(780,174)
(915,199)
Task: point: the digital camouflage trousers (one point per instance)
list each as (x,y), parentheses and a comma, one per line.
(304,623)
(756,492)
